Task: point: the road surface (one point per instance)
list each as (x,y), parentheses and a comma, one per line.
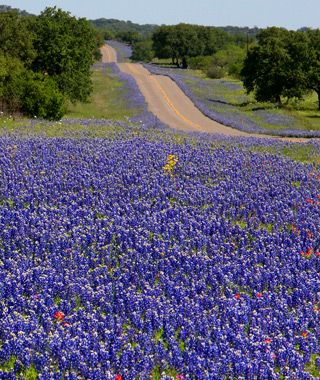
(109,55)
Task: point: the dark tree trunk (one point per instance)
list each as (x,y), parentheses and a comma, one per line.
(184,63)
(278,100)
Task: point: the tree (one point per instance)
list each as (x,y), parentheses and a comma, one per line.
(129,37)
(160,43)
(182,42)
(142,51)
(313,64)
(230,59)
(66,48)
(275,67)
(16,36)
(11,80)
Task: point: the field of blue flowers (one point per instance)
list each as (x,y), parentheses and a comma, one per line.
(142,253)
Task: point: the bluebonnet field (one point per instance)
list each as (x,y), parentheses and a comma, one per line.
(152,254)
(225,101)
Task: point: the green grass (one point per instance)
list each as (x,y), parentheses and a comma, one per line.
(107,101)
(300,114)
(302,152)
(311,367)
(25,128)
(29,373)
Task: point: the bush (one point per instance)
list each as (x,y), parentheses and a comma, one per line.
(142,51)
(230,60)
(215,72)
(42,98)
(235,70)
(200,63)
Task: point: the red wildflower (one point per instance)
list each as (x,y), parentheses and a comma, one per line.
(310,234)
(309,252)
(267,341)
(318,253)
(259,295)
(58,315)
(304,334)
(302,253)
(66,324)
(118,377)
(315,308)
(237,296)
(311,201)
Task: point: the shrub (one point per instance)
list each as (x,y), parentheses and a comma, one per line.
(215,72)
(200,63)
(42,98)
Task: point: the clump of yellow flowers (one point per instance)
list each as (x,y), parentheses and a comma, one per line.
(170,164)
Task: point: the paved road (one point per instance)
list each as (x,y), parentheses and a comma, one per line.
(168,102)
(109,55)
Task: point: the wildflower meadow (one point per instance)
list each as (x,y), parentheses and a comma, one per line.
(129,251)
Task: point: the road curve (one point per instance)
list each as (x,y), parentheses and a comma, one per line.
(109,55)
(169,103)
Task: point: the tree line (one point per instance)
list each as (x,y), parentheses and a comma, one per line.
(275,64)
(214,50)
(45,62)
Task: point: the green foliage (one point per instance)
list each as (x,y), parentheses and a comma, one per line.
(113,27)
(68,54)
(275,68)
(11,88)
(16,36)
(215,72)
(142,51)
(230,59)
(183,41)
(312,368)
(7,8)
(313,62)
(200,63)
(129,37)
(44,60)
(42,98)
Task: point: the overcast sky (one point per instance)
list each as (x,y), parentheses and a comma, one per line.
(291,14)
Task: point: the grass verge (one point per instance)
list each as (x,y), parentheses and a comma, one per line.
(108,99)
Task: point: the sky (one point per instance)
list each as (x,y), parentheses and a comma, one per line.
(291,14)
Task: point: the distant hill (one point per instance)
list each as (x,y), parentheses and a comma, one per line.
(236,30)
(118,26)
(7,8)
